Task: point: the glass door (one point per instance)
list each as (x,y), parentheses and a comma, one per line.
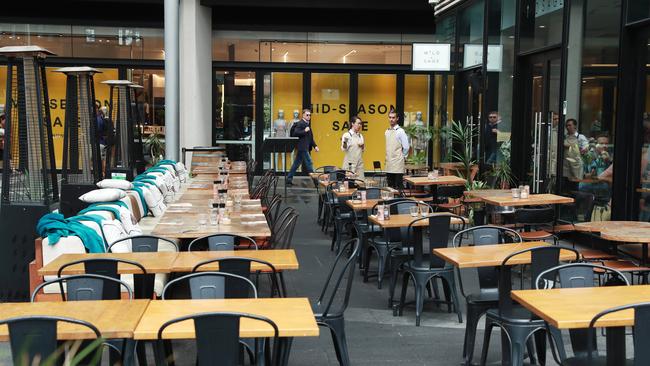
(543,116)
(471,109)
(644,111)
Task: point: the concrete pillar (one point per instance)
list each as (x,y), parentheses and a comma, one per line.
(195,74)
(172,150)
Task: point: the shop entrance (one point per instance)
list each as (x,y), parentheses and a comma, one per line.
(471,108)
(542,118)
(642,118)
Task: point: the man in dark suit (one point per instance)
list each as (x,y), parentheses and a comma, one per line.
(303,131)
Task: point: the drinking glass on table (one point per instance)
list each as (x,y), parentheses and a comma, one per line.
(414,210)
(385,195)
(202,220)
(238,198)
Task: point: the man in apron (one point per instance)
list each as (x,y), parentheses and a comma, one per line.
(397,148)
(352,145)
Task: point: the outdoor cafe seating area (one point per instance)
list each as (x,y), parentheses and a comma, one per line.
(207,253)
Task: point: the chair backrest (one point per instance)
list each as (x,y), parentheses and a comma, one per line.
(401,207)
(445,192)
(84,287)
(273,209)
(108,267)
(217,336)
(439,226)
(535,215)
(145,244)
(342,270)
(574,275)
(541,259)
(485,235)
(240,266)
(33,339)
(641,332)
(213,285)
(326,168)
(216,242)
(376,165)
(282,235)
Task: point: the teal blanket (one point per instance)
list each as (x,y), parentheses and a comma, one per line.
(54,226)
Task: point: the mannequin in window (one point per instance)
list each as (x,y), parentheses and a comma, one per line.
(280,125)
(418,119)
(419,141)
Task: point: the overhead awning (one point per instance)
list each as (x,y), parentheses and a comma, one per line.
(444,5)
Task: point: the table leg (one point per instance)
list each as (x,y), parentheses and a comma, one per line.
(283,349)
(615,337)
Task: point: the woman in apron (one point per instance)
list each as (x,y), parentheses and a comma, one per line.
(352,144)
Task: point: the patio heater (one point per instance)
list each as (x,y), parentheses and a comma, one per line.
(120,157)
(138,125)
(82,162)
(29,181)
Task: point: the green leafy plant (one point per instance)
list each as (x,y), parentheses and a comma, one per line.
(461,151)
(502,175)
(475,185)
(417,158)
(156,146)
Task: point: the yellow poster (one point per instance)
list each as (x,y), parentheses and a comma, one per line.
(330,98)
(56,85)
(377,95)
(286,96)
(416,98)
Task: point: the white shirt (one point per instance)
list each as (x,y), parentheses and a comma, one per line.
(401,137)
(583,143)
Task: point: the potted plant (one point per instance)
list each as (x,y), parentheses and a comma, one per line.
(156,146)
(419,136)
(461,148)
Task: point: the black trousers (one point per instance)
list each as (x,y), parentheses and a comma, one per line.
(394,180)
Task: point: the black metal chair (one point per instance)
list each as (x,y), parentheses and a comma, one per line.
(641,334)
(517,323)
(144,244)
(390,240)
(329,313)
(378,173)
(241,266)
(217,337)
(423,266)
(448,198)
(362,227)
(329,204)
(85,287)
(216,242)
(344,216)
(273,209)
(574,275)
(33,340)
(213,285)
(537,223)
(487,295)
(283,229)
(142,282)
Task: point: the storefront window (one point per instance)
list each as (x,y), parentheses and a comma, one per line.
(443,110)
(416,114)
(446,33)
(234,105)
(377,95)
(501,56)
(637,10)
(151,99)
(543,26)
(470,33)
(330,103)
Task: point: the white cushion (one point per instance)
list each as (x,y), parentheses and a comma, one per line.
(115,183)
(67,245)
(154,200)
(103,195)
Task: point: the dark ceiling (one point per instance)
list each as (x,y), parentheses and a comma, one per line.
(379,16)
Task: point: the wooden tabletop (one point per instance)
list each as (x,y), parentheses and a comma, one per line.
(598,226)
(293,316)
(281,259)
(158,262)
(575,307)
(492,255)
(627,235)
(481,193)
(404,220)
(113,318)
(441,180)
(186,226)
(533,199)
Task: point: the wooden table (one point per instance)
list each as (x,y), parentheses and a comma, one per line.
(158,262)
(186,226)
(482,193)
(449,180)
(113,318)
(639,235)
(573,308)
(281,259)
(293,316)
(533,199)
(492,255)
(598,226)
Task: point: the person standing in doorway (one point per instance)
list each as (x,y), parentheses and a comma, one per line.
(397,148)
(303,132)
(491,129)
(352,144)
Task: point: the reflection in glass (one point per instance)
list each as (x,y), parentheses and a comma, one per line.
(543,26)
(234,103)
(151,98)
(470,33)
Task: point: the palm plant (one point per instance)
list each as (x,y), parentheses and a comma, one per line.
(156,146)
(461,149)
